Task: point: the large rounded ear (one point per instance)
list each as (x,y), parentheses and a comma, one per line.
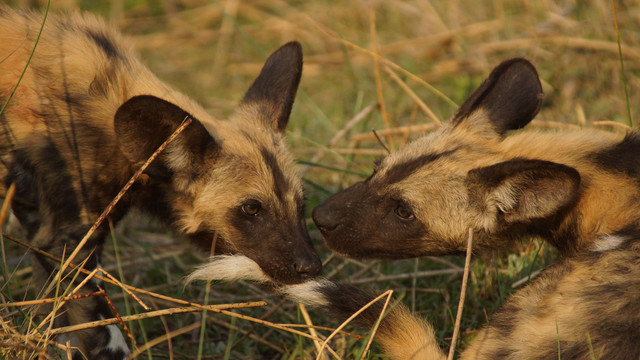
(521,190)
(275,88)
(144,122)
(508,99)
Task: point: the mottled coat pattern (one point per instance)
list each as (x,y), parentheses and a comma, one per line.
(576,190)
(87,114)
(471,174)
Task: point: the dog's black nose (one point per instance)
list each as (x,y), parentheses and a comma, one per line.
(325,219)
(308,267)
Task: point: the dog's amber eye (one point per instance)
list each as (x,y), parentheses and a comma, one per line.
(251,208)
(404,213)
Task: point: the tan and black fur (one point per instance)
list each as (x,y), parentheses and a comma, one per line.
(577,190)
(569,188)
(583,307)
(87,114)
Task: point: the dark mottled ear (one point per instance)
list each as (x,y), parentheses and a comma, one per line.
(510,97)
(521,190)
(144,122)
(275,88)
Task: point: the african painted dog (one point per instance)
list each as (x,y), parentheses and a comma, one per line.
(583,307)
(87,114)
(577,190)
(568,188)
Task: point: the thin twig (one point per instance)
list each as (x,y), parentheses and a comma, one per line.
(413,95)
(151,314)
(187,120)
(375,133)
(312,331)
(463,292)
(386,118)
(4,212)
(388,62)
(377,324)
(622,72)
(346,322)
(419,274)
(397,130)
(341,133)
(612,123)
(160,339)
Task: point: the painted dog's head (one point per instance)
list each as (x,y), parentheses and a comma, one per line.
(422,199)
(230,183)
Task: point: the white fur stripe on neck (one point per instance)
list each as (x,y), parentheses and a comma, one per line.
(238,267)
(229,268)
(608,242)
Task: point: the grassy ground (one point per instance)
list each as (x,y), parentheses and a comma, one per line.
(213,50)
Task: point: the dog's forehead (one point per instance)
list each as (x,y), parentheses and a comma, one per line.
(419,152)
(262,164)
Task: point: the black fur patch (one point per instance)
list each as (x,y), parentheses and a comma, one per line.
(345,300)
(281,186)
(25,200)
(5,126)
(403,170)
(104,43)
(511,96)
(622,157)
(274,90)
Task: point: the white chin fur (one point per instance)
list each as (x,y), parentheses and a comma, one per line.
(239,267)
(309,292)
(229,268)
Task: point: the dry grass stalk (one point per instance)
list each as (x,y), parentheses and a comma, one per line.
(386,118)
(387,293)
(246,334)
(401,130)
(124,288)
(4,212)
(341,133)
(214,308)
(554,124)
(312,331)
(463,292)
(377,324)
(50,300)
(382,59)
(166,337)
(220,308)
(413,95)
(49,319)
(577,43)
(624,127)
(224,41)
(187,120)
(418,274)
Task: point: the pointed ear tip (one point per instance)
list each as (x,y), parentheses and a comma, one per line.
(522,65)
(292,47)
(294,44)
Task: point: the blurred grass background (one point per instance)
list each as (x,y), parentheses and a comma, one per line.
(212,50)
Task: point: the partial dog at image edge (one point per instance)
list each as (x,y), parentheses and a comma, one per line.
(576,190)
(568,305)
(87,114)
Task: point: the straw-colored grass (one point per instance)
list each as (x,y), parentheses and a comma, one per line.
(398,67)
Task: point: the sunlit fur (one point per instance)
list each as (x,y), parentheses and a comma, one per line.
(583,307)
(87,114)
(471,173)
(578,190)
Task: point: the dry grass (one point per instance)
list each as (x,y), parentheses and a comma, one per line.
(395,66)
